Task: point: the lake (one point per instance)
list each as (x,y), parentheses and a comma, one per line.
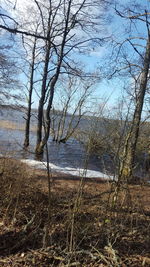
(69,155)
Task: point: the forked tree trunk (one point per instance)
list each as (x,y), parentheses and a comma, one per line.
(41,142)
(42,98)
(128,157)
(47,119)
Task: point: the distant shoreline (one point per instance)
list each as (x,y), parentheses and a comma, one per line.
(7,124)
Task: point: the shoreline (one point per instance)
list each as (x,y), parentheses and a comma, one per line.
(74,172)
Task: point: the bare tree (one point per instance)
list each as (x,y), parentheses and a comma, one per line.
(63,20)
(74,95)
(9,84)
(67,28)
(137,64)
(30,91)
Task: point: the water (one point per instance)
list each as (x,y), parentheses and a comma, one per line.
(64,156)
(69,155)
(72,154)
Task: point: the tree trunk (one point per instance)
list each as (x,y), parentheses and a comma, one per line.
(42,142)
(127,164)
(47,120)
(27,127)
(42,101)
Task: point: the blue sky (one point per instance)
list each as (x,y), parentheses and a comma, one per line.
(113,89)
(107,89)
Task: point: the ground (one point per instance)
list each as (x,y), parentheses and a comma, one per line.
(89,224)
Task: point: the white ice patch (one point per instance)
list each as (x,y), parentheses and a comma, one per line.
(67,170)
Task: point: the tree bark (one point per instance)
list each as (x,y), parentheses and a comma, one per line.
(43,94)
(47,121)
(127,164)
(27,127)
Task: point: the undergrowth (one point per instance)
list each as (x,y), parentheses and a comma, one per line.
(86,229)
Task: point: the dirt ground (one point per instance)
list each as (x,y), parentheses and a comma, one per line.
(88,222)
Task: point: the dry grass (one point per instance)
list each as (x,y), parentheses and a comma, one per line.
(103,234)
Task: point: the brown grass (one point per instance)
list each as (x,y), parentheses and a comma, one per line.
(104,234)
